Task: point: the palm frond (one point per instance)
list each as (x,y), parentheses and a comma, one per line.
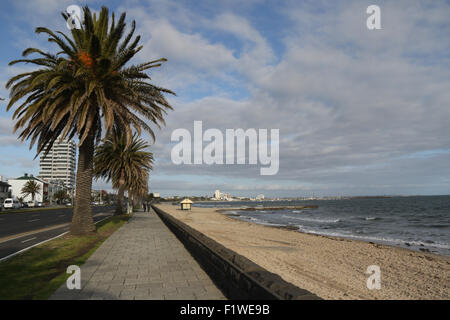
(88,86)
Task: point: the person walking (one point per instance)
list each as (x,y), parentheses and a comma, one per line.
(144,204)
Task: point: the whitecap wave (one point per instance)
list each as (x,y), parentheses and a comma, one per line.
(377,239)
(313,219)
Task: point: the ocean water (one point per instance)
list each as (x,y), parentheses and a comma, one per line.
(417,223)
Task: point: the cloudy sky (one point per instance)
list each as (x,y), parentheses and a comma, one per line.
(360,112)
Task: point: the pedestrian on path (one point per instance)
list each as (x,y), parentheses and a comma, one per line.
(144,204)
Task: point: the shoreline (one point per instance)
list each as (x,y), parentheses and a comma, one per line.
(331,237)
(336,238)
(407,245)
(331,267)
(268,208)
(416,246)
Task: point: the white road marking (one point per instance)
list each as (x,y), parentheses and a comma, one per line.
(34,245)
(28,240)
(34,220)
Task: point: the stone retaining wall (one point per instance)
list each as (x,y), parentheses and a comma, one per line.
(237,276)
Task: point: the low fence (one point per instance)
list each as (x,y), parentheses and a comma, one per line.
(237,277)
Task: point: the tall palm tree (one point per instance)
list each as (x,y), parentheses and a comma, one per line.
(85,87)
(31,187)
(125,164)
(138,188)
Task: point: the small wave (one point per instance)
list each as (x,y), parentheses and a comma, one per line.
(256,220)
(377,239)
(297,211)
(371,218)
(313,220)
(264,222)
(439,226)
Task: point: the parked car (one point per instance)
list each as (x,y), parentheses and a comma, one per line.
(32,204)
(40,204)
(10,203)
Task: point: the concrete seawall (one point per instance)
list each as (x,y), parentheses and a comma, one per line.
(237,276)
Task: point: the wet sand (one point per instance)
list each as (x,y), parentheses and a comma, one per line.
(330,267)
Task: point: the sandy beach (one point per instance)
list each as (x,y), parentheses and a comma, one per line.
(330,267)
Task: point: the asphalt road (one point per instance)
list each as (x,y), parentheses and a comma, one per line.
(22,230)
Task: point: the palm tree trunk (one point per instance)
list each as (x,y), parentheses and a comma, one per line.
(82,220)
(120,196)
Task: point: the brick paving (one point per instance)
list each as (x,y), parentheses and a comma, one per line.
(143,260)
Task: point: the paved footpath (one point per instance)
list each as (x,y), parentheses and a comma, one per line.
(143,260)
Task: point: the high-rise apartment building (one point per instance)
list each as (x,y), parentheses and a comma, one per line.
(59,163)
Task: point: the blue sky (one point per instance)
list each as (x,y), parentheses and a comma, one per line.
(360,112)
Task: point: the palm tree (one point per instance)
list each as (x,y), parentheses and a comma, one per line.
(31,187)
(60,196)
(125,164)
(84,88)
(138,188)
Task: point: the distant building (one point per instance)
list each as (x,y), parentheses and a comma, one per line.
(260,197)
(59,163)
(18,183)
(4,190)
(221,196)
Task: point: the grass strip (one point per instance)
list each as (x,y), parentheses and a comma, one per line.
(37,273)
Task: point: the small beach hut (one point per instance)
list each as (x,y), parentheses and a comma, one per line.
(186,204)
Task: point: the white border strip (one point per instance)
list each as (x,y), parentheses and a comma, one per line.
(34,245)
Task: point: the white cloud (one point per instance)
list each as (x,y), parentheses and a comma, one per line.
(349,102)
(183,48)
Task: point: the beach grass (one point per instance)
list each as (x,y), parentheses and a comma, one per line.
(35,274)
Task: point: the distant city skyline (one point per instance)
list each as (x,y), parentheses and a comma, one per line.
(359,112)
